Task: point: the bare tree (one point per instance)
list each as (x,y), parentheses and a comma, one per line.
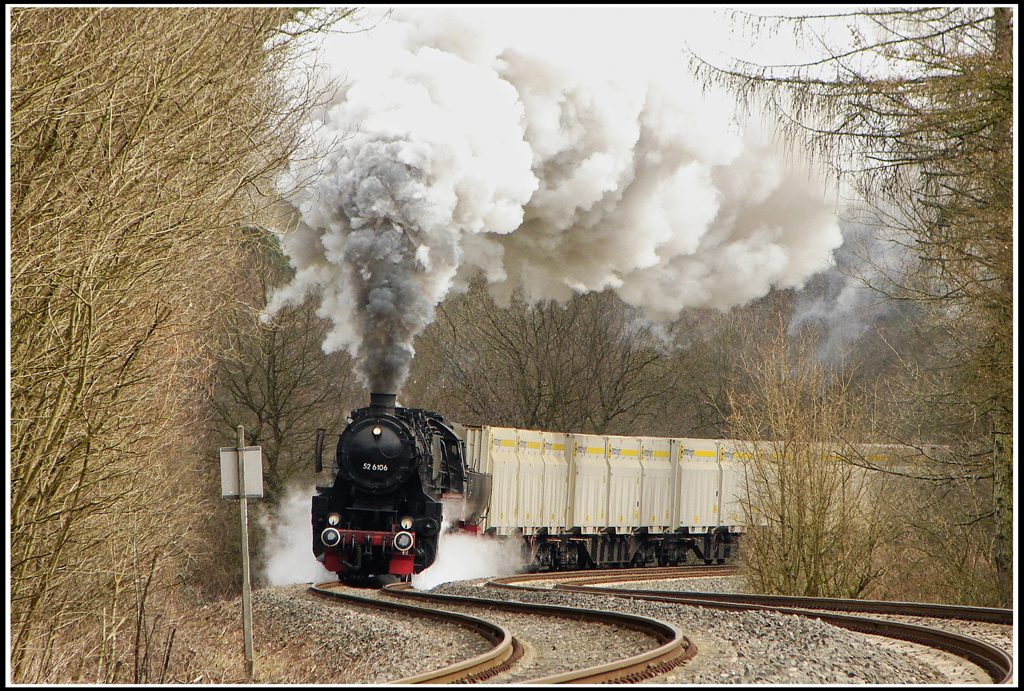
(590,365)
(916,116)
(140,137)
(705,363)
(274,378)
(817,524)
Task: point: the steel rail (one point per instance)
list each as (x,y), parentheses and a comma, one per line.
(612,575)
(478,666)
(910,609)
(996,663)
(674,648)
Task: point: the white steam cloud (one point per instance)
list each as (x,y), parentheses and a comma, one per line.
(288,553)
(464,556)
(461,556)
(454,150)
(288,550)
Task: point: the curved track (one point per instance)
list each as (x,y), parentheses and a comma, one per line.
(672,647)
(502,652)
(994,661)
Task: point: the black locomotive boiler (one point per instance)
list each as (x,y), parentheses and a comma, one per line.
(395,474)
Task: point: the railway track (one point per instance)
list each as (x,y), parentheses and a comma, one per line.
(518,657)
(915,609)
(666,649)
(996,663)
(503,650)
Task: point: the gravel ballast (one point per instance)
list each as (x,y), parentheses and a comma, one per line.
(751,647)
(304,639)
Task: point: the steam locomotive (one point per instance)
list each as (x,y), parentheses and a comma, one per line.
(395,471)
(572,500)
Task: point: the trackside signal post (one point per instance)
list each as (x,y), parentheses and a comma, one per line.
(241,477)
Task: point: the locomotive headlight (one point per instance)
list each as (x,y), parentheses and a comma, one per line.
(377,431)
(406,523)
(334,519)
(404,541)
(330,537)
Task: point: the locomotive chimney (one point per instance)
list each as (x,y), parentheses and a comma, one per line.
(383,402)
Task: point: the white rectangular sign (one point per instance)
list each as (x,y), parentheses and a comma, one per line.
(253,457)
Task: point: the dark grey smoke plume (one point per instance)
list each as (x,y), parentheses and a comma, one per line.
(460,151)
(391,258)
(842,299)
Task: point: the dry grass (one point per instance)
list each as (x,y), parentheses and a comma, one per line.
(211,651)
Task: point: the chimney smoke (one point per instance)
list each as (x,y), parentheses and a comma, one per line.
(453,151)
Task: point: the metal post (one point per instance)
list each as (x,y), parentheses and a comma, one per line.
(246,584)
